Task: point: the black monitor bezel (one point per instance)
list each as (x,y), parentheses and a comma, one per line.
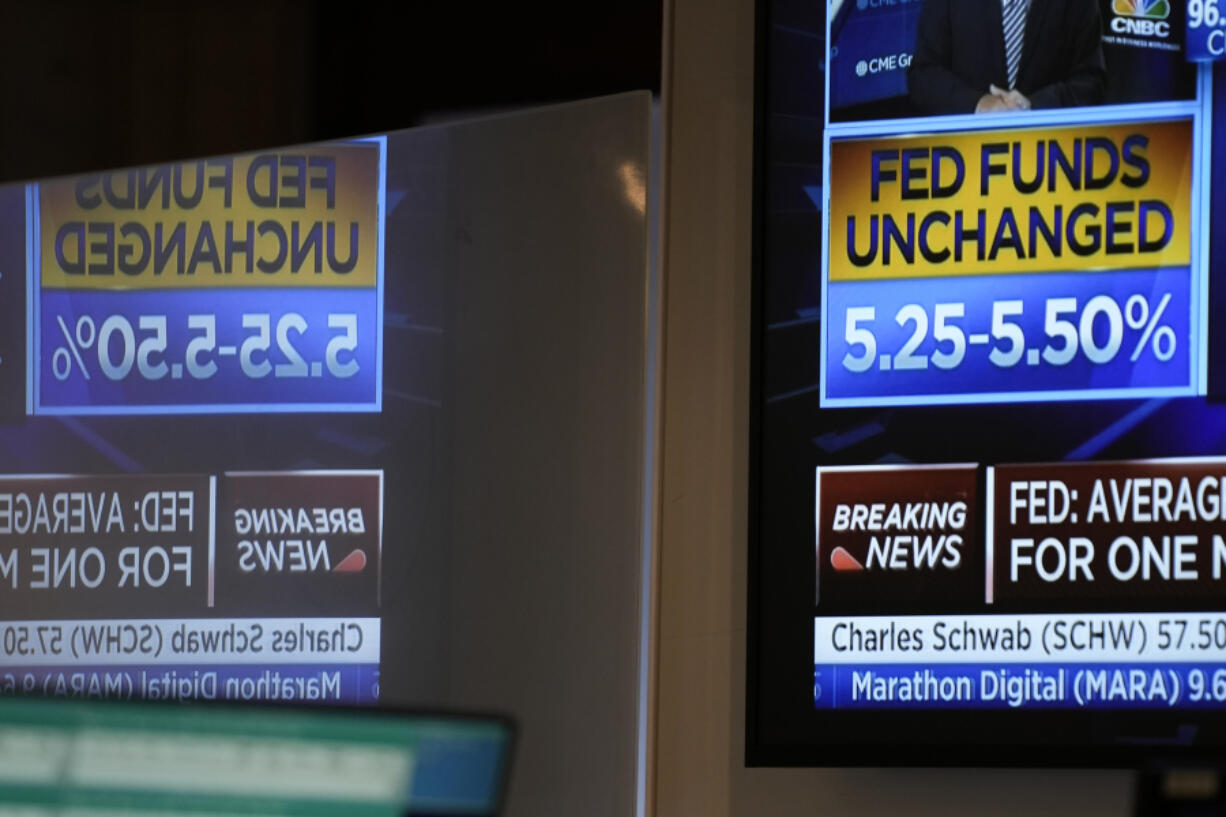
(1121,739)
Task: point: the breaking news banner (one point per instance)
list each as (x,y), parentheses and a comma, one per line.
(105,546)
(1100,586)
(1043,263)
(241,283)
(881,527)
(247,585)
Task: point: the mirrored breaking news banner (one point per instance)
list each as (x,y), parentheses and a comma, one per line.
(235,586)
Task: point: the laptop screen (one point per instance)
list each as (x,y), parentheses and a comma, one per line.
(105,759)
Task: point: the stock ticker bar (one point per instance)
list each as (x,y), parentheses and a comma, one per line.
(1006,685)
(872,44)
(240,586)
(1034,263)
(1096,585)
(244,283)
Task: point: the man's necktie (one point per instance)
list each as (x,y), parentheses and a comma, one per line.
(1015,28)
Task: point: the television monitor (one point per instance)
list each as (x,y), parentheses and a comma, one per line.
(988,451)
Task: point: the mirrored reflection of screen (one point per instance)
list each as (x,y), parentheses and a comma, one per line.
(275,427)
(990,357)
(184,511)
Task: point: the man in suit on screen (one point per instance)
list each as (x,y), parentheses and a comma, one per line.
(980,56)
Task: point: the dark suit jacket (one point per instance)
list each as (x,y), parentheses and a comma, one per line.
(960,50)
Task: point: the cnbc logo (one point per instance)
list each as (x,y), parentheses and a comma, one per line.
(1144,17)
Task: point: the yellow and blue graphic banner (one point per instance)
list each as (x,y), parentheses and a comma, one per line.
(248,282)
(1029,263)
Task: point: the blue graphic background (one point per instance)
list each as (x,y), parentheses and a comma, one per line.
(229,386)
(1206,44)
(976,374)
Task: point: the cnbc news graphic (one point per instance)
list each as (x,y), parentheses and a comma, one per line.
(989,452)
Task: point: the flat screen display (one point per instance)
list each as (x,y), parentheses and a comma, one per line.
(988,509)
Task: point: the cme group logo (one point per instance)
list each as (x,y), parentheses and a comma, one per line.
(883,65)
(1144,17)
(876,4)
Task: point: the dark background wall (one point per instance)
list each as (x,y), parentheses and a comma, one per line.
(90,85)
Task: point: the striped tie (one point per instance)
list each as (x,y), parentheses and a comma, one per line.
(1015,29)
